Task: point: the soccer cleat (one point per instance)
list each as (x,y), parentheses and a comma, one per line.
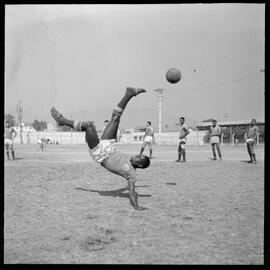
(58,117)
(250,161)
(135,91)
(178,160)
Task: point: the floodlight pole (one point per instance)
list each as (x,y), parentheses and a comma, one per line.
(160,94)
(52,75)
(19,113)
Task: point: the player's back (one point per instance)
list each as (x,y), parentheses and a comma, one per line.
(119,163)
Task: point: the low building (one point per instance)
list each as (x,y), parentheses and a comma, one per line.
(234,130)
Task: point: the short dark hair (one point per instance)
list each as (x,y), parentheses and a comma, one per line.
(149,122)
(182,118)
(214,120)
(106,121)
(253,120)
(145,161)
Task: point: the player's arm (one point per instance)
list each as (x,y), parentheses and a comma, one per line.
(133,196)
(256,134)
(187,132)
(210,132)
(14,132)
(146,131)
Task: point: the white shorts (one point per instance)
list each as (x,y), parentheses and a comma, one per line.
(214,139)
(148,139)
(182,143)
(8,141)
(250,141)
(102,150)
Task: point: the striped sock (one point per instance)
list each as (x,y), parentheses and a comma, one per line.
(77,125)
(117,111)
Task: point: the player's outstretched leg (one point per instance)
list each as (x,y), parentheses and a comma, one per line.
(89,128)
(110,131)
(60,119)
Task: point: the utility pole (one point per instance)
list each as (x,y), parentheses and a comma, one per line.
(52,75)
(160,94)
(19,113)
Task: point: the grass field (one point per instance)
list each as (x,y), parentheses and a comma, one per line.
(62,207)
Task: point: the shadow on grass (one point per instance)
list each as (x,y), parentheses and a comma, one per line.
(16,158)
(114,193)
(170,183)
(245,161)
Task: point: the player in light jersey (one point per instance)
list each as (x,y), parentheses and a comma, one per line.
(102,149)
(183,132)
(215,133)
(251,140)
(148,138)
(9,131)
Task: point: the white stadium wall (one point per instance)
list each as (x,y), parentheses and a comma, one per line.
(167,138)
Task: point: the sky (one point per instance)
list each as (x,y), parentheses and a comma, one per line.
(82,57)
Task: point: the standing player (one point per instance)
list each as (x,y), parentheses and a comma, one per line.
(9,131)
(106,122)
(41,144)
(148,138)
(102,149)
(251,140)
(215,133)
(183,132)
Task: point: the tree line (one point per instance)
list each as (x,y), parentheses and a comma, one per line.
(38,125)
